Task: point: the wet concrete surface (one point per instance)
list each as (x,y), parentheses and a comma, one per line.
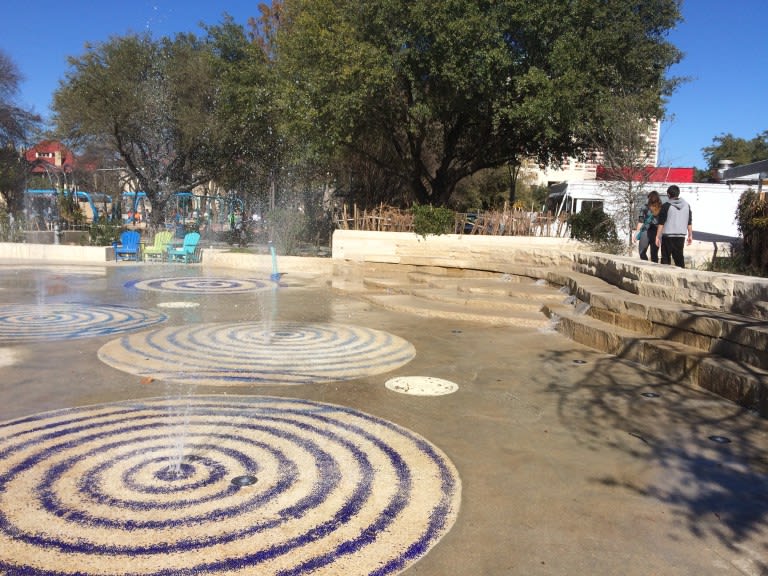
(566,467)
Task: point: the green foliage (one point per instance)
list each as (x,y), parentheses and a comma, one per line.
(594,226)
(436,91)
(432,220)
(149,103)
(752,219)
(104,232)
(11,179)
(739,150)
(11,230)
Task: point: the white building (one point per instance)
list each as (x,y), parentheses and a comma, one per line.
(713,206)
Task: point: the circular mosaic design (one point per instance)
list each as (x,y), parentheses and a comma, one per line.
(421,385)
(202,285)
(257,353)
(30,322)
(146,487)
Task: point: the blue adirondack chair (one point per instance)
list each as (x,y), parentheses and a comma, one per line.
(129,246)
(188,250)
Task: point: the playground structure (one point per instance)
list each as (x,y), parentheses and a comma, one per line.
(43,210)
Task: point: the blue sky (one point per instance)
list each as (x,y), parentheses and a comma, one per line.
(724,42)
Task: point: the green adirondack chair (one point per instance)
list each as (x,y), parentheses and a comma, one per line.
(159,247)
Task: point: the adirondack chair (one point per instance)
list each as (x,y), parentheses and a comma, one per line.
(188,250)
(159,247)
(129,247)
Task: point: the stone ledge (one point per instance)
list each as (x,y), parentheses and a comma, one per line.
(508,254)
(739,383)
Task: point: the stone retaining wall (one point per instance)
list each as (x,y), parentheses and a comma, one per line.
(511,254)
(56,252)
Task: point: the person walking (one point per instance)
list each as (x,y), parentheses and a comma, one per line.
(675,225)
(647,225)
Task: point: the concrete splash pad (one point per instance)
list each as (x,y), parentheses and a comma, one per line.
(93,491)
(566,467)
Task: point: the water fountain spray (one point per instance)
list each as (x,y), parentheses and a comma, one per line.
(275,276)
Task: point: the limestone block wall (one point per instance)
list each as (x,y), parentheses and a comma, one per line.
(55,252)
(262,263)
(490,253)
(532,256)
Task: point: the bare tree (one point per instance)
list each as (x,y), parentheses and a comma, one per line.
(16,124)
(627,148)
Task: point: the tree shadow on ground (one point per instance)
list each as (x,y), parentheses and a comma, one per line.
(713,454)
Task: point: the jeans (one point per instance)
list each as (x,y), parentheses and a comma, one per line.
(648,240)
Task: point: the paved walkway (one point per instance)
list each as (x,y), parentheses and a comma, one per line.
(550,458)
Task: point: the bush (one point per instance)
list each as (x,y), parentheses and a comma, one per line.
(103,233)
(431,220)
(10,230)
(752,219)
(597,229)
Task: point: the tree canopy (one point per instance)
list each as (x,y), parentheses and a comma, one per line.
(433,91)
(16,126)
(396,99)
(740,150)
(150,103)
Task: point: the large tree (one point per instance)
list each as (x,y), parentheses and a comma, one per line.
(250,147)
(739,150)
(16,126)
(151,102)
(433,91)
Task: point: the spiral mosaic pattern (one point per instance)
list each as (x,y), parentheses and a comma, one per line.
(202,285)
(156,488)
(32,322)
(257,353)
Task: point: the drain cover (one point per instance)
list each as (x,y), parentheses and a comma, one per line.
(421,385)
(720,439)
(246,480)
(178,304)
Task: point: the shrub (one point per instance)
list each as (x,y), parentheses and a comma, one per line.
(103,233)
(431,220)
(752,217)
(597,229)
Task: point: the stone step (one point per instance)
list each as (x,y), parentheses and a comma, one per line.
(738,338)
(428,308)
(739,382)
(498,287)
(472,301)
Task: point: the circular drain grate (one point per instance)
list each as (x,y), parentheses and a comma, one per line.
(421,386)
(720,439)
(246,480)
(178,304)
(92,490)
